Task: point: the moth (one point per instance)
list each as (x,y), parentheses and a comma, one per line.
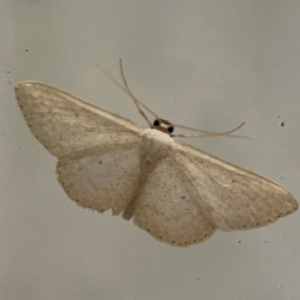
(177,193)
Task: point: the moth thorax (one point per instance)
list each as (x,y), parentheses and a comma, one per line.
(156,144)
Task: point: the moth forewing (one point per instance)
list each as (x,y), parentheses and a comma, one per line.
(234,197)
(65,124)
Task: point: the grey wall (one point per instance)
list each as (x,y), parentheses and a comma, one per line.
(207,64)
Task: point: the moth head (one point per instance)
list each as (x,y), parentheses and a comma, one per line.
(163,126)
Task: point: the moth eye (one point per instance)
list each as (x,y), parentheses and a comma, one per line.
(171,129)
(156,123)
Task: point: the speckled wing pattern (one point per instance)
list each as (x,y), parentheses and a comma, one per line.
(102,180)
(98,151)
(67,125)
(170,209)
(192,193)
(186,196)
(233,198)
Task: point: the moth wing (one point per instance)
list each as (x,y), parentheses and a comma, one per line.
(65,124)
(105,179)
(168,208)
(232,197)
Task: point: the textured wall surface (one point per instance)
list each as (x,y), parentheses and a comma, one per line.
(206,64)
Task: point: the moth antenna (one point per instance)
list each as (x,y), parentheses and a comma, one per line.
(135,100)
(138,103)
(205,133)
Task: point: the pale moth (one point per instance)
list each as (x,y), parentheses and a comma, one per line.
(177,193)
